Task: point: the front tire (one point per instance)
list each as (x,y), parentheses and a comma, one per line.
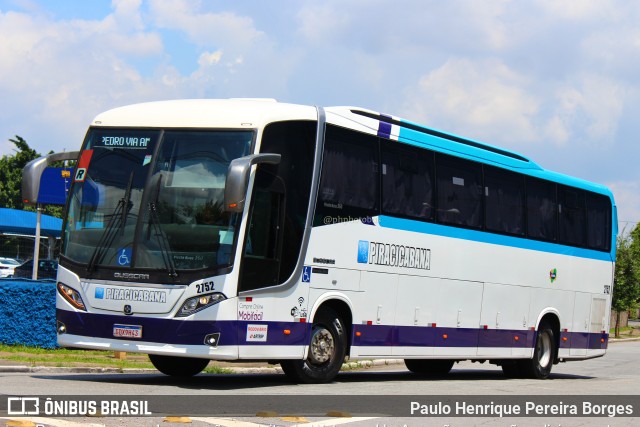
(327,349)
(544,354)
(432,367)
(178,366)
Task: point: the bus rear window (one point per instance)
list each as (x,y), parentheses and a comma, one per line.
(598,222)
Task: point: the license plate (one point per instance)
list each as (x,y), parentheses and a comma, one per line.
(127,331)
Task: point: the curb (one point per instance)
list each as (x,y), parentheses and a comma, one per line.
(348,366)
(615,340)
(69,370)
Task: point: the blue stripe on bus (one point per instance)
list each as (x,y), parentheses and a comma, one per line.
(233,333)
(490,238)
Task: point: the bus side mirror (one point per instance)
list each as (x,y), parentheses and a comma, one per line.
(235,189)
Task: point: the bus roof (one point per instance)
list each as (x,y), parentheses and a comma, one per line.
(202,113)
(254,113)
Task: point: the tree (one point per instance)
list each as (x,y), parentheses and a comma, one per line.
(626,283)
(11,178)
(11,173)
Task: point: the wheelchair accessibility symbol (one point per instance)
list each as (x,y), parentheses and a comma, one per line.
(306,274)
(124,256)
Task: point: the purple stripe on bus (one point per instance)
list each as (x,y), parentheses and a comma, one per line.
(421,336)
(192,332)
(183,332)
(506,338)
(384,128)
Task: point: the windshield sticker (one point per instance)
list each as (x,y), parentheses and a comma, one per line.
(132,142)
(147,160)
(81,174)
(83,164)
(124,257)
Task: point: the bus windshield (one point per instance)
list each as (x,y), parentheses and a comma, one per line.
(152,199)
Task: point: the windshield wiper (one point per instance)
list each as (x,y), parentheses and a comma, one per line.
(163,241)
(116,222)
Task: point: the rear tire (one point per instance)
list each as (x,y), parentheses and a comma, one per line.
(178,366)
(433,367)
(327,349)
(544,354)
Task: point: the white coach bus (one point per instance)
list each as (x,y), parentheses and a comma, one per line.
(202,230)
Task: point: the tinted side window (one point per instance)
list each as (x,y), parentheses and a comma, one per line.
(349,186)
(459,184)
(598,222)
(571,207)
(504,201)
(407,181)
(542,209)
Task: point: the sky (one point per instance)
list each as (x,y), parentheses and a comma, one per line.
(557,81)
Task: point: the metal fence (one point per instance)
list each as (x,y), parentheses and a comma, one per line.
(21,247)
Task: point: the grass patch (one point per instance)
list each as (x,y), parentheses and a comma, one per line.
(5,348)
(626,332)
(623,329)
(213,369)
(63,357)
(69,358)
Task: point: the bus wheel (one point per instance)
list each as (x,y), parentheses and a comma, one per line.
(178,366)
(429,366)
(326,352)
(539,367)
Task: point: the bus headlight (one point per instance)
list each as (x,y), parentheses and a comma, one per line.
(195,304)
(72,296)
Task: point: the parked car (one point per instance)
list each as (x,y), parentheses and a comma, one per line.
(47,269)
(7,265)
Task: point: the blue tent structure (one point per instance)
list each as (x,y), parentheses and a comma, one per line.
(13,221)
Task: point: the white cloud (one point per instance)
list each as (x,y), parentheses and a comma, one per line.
(489,100)
(484,99)
(579,10)
(322,22)
(235,58)
(224,30)
(587,111)
(209,58)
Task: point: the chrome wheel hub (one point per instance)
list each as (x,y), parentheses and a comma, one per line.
(322,346)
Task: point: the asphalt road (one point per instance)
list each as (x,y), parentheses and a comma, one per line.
(380,390)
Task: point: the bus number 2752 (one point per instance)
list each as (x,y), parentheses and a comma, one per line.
(204,287)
